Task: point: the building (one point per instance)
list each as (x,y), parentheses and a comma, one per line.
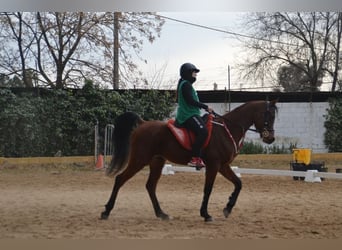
(300,119)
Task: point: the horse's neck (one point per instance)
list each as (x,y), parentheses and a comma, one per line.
(239,120)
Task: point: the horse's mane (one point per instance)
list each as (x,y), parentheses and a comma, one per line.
(242,106)
(239,108)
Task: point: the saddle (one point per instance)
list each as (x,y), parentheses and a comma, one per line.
(186,137)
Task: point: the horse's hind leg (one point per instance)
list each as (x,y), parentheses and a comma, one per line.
(229,174)
(156,167)
(120,180)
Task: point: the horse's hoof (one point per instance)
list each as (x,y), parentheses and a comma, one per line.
(164,217)
(209,219)
(226,212)
(104,216)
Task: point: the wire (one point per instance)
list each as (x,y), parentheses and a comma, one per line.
(230,33)
(223,31)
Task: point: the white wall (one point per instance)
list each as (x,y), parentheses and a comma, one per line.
(301,124)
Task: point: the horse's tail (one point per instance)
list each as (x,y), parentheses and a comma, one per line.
(123,128)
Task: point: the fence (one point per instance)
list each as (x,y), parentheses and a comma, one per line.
(108,144)
(310,175)
(96,140)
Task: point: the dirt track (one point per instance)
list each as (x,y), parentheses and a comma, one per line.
(57,202)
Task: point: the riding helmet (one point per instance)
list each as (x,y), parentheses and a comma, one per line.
(186,71)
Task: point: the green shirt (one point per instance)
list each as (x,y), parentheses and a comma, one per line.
(184,110)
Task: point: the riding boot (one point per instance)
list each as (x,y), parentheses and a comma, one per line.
(196,162)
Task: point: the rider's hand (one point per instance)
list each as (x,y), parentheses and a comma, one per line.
(209,110)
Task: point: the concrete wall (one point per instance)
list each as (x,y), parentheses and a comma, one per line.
(301,124)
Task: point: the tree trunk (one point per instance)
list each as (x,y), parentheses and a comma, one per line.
(339,32)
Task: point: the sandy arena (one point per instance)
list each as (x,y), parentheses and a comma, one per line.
(66,202)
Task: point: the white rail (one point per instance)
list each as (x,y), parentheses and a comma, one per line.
(310,175)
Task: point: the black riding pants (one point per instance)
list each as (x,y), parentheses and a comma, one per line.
(196,124)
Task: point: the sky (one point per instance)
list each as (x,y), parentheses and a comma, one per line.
(211,51)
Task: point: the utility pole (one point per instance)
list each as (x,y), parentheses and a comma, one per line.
(116,27)
(229,100)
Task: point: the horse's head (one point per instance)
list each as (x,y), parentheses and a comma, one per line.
(264,120)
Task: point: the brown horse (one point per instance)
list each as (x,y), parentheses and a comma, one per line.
(140,143)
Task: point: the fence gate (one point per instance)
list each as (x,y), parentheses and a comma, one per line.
(108,145)
(96,140)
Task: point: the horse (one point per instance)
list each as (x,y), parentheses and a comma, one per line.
(138,143)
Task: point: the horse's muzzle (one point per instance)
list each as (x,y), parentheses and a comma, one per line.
(268,140)
(267,136)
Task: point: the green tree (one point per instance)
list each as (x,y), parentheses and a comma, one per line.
(333,126)
(292,78)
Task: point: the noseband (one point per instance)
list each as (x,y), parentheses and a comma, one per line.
(265,131)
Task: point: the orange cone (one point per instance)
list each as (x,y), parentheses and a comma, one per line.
(99,163)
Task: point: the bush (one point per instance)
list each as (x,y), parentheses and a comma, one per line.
(249,147)
(276,149)
(42,122)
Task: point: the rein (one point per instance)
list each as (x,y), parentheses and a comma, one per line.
(265,132)
(223,124)
(231,136)
(223,118)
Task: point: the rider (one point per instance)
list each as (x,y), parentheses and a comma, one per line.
(188,111)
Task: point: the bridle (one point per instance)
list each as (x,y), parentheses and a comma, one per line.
(265,131)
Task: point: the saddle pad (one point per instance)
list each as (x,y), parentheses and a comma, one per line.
(186,137)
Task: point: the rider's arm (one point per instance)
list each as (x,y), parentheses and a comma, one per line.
(187,94)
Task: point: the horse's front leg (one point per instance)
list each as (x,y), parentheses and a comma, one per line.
(156,167)
(229,174)
(210,176)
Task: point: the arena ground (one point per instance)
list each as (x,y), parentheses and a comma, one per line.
(64,201)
